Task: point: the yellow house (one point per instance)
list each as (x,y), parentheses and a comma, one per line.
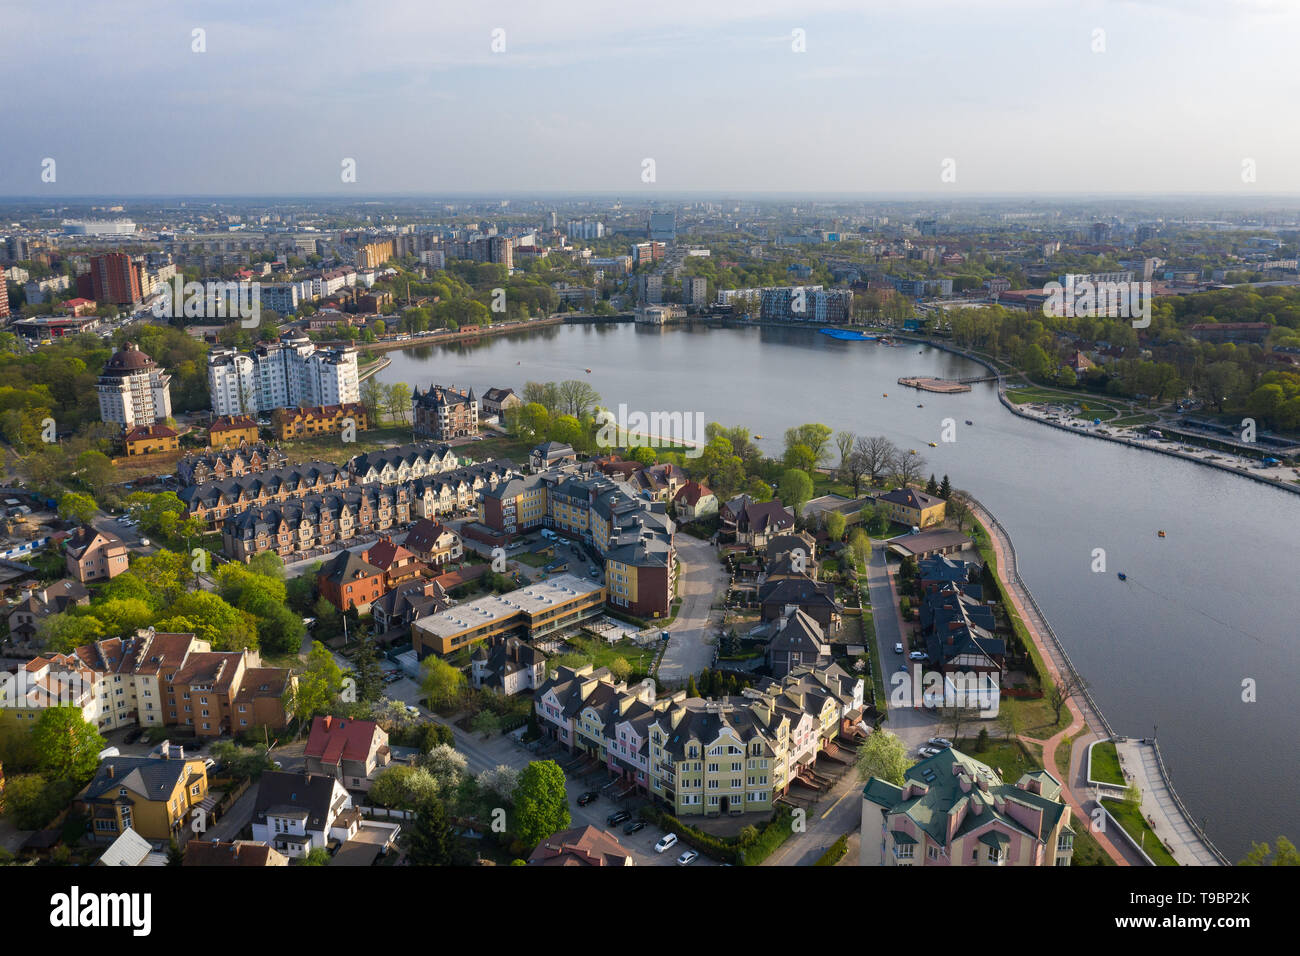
(152,795)
(291,423)
(914,508)
(231,431)
(151,439)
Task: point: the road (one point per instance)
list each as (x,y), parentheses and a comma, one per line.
(702,581)
(838,813)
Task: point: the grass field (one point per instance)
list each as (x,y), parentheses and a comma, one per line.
(1105,764)
(333,449)
(1009,757)
(1129,816)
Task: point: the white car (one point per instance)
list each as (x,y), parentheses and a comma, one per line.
(898,648)
(929,751)
(687,858)
(666,843)
(916,656)
(144,542)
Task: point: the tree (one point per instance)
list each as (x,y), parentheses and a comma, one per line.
(691,690)
(74,506)
(619,668)
(398,396)
(577,398)
(366,670)
(319,856)
(166,575)
(373,397)
(817,438)
(959,508)
(430,840)
(945,488)
(932,487)
(485,723)
(210,618)
(844,442)
(876,453)
(442,684)
(446,764)
(835,523)
(853,469)
(860,543)
(1261,854)
(796,489)
(541,803)
(64,632)
(501,781)
(883,756)
(1070,685)
(68,744)
(906,468)
(95,471)
(318,685)
(799,456)
(644,455)
(402,786)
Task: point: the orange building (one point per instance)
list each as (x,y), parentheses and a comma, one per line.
(151,439)
(230,431)
(290,423)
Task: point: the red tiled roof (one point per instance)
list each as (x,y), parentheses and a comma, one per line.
(335,738)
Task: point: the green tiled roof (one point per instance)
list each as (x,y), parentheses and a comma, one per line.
(901,837)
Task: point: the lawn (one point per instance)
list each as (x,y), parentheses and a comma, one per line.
(533,559)
(1087,851)
(1129,816)
(1009,757)
(333,449)
(1105,764)
(602,653)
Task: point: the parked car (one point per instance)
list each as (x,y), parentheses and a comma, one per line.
(687,858)
(943,743)
(898,648)
(413,711)
(929,751)
(144,542)
(633,826)
(670,840)
(587,798)
(620,816)
(916,656)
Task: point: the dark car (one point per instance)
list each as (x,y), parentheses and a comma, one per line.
(634,826)
(587,797)
(620,816)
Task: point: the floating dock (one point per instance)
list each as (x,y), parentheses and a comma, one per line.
(934,385)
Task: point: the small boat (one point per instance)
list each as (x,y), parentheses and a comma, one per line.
(911,451)
(934,445)
(1123,576)
(758,438)
(919,405)
(1161,533)
(588,371)
(969,422)
(886,395)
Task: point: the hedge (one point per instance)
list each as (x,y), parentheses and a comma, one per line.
(835,852)
(750,848)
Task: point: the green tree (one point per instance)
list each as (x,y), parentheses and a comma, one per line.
(210,618)
(945,489)
(74,506)
(691,690)
(485,723)
(883,756)
(796,489)
(835,524)
(367,671)
(430,841)
(619,668)
(541,803)
(62,633)
(319,856)
(403,787)
(318,684)
(442,684)
(68,744)
(1261,854)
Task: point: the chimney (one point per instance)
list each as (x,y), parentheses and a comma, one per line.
(110,771)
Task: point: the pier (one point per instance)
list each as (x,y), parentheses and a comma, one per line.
(942,385)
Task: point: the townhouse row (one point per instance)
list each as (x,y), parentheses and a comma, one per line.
(698,756)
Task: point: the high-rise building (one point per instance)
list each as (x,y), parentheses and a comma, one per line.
(115,278)
(283,374)
(662,226)
(133,390)
(695,291)
(650,289)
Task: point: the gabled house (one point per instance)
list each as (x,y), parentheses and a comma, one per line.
(238,853)
(913,508)
(95,555)
(131,849)
(398,563)
(753,522)
(400,607)
(694,500)
(40,603)
(549,454)
(815,598)
(299,812)
(581,846)
(351,751)
(800,642)
(433,542)
(507,665)
(152,795)
(349,581)
(953,810)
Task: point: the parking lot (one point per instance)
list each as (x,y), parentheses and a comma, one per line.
(640,844)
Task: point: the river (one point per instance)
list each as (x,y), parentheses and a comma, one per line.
(1205,611)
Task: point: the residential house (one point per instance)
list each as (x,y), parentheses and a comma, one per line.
(229,692)
(131,849)
(299,812)
(496,401)
(581,846)
(232,431)
(232,462)
(349,581)
(442,413)
(214,501)
(351,751)
(398,563)
(291,423)
(404,463)
(314,521)
(752,523)
(150,440)
(39,603)
(507,665)
(914,508)
(238,853)
(403,605)
(151,795)
(815,598)
(694,501)
(95,555)
(433,542)
(952,810)
(550,454)
(799,642)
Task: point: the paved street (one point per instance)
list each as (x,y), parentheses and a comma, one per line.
(838,813)
(703,579)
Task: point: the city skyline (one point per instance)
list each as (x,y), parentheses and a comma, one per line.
(724,103)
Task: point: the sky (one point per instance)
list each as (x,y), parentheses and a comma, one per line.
(724,96)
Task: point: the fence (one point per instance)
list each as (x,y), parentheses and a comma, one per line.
(1191,821)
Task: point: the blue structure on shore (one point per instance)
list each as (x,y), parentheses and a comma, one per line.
(847,335)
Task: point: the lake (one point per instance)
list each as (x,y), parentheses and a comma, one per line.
(1212,605)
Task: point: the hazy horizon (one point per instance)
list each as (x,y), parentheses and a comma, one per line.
(729,99)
